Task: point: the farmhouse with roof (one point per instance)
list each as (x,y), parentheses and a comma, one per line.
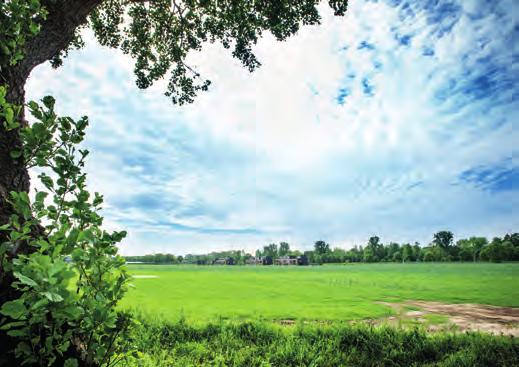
(224,261)
(255,260)
(286,260)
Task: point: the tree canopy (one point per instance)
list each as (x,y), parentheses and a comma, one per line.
(158,34)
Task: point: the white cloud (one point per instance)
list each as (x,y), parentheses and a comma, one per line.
(273,156)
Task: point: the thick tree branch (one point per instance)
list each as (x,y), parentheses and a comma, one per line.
(56,32)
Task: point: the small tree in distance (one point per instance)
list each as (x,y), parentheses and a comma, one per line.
(321,247)
(443,239)
(284,249)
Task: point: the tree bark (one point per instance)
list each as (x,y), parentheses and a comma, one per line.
(56,33)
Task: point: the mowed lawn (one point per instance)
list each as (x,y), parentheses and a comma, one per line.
(330,292)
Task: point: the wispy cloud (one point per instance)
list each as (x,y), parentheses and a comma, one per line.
(503,176)
(396,120)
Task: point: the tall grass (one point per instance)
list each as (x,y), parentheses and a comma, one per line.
(256,343)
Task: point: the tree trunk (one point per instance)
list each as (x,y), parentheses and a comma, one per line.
(13,177)
(56,33)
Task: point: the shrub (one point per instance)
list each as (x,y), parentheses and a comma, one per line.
(67,274)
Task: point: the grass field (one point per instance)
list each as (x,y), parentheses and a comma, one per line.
(334,292)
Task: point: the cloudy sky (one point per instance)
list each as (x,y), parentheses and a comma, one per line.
(396,120)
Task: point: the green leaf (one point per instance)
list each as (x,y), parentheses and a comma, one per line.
(25,349)
(44,245)
(14,309)
(72,311)
(15,236)
(71,362)
(25,280)
(13,324)
(34,28)
(40,303)
(85,235)
(65,124)
(47,181)
(53,297)
(40,196)
(56,268)
(24,197)
(49,101)
(33,105)
(9,115)
(16,333)
(77,253)
(98,199)
(62,347)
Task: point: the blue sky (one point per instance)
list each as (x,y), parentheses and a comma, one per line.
(396,120)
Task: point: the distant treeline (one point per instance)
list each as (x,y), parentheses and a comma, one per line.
(442,248)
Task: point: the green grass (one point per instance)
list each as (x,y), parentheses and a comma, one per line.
(261,344)
(428,320)
(435,319)
(335,292)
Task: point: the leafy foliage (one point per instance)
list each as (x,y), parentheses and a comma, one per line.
(19,19)
(443,239)
(160,34)
(8,112)
(321,247)
(71,279)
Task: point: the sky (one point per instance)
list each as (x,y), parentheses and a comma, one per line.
(396,120)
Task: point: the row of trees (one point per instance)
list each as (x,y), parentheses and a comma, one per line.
(156,259)
(441,248)
(238,257)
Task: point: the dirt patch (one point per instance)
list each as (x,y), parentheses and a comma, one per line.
(415,313)
(437,316)
(286,322)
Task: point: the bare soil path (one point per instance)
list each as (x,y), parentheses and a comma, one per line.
(437,316)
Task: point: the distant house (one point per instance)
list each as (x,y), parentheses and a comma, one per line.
(224,261)
(291,260)
(302,260)
(254,261)
(286,260)
(267,260)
